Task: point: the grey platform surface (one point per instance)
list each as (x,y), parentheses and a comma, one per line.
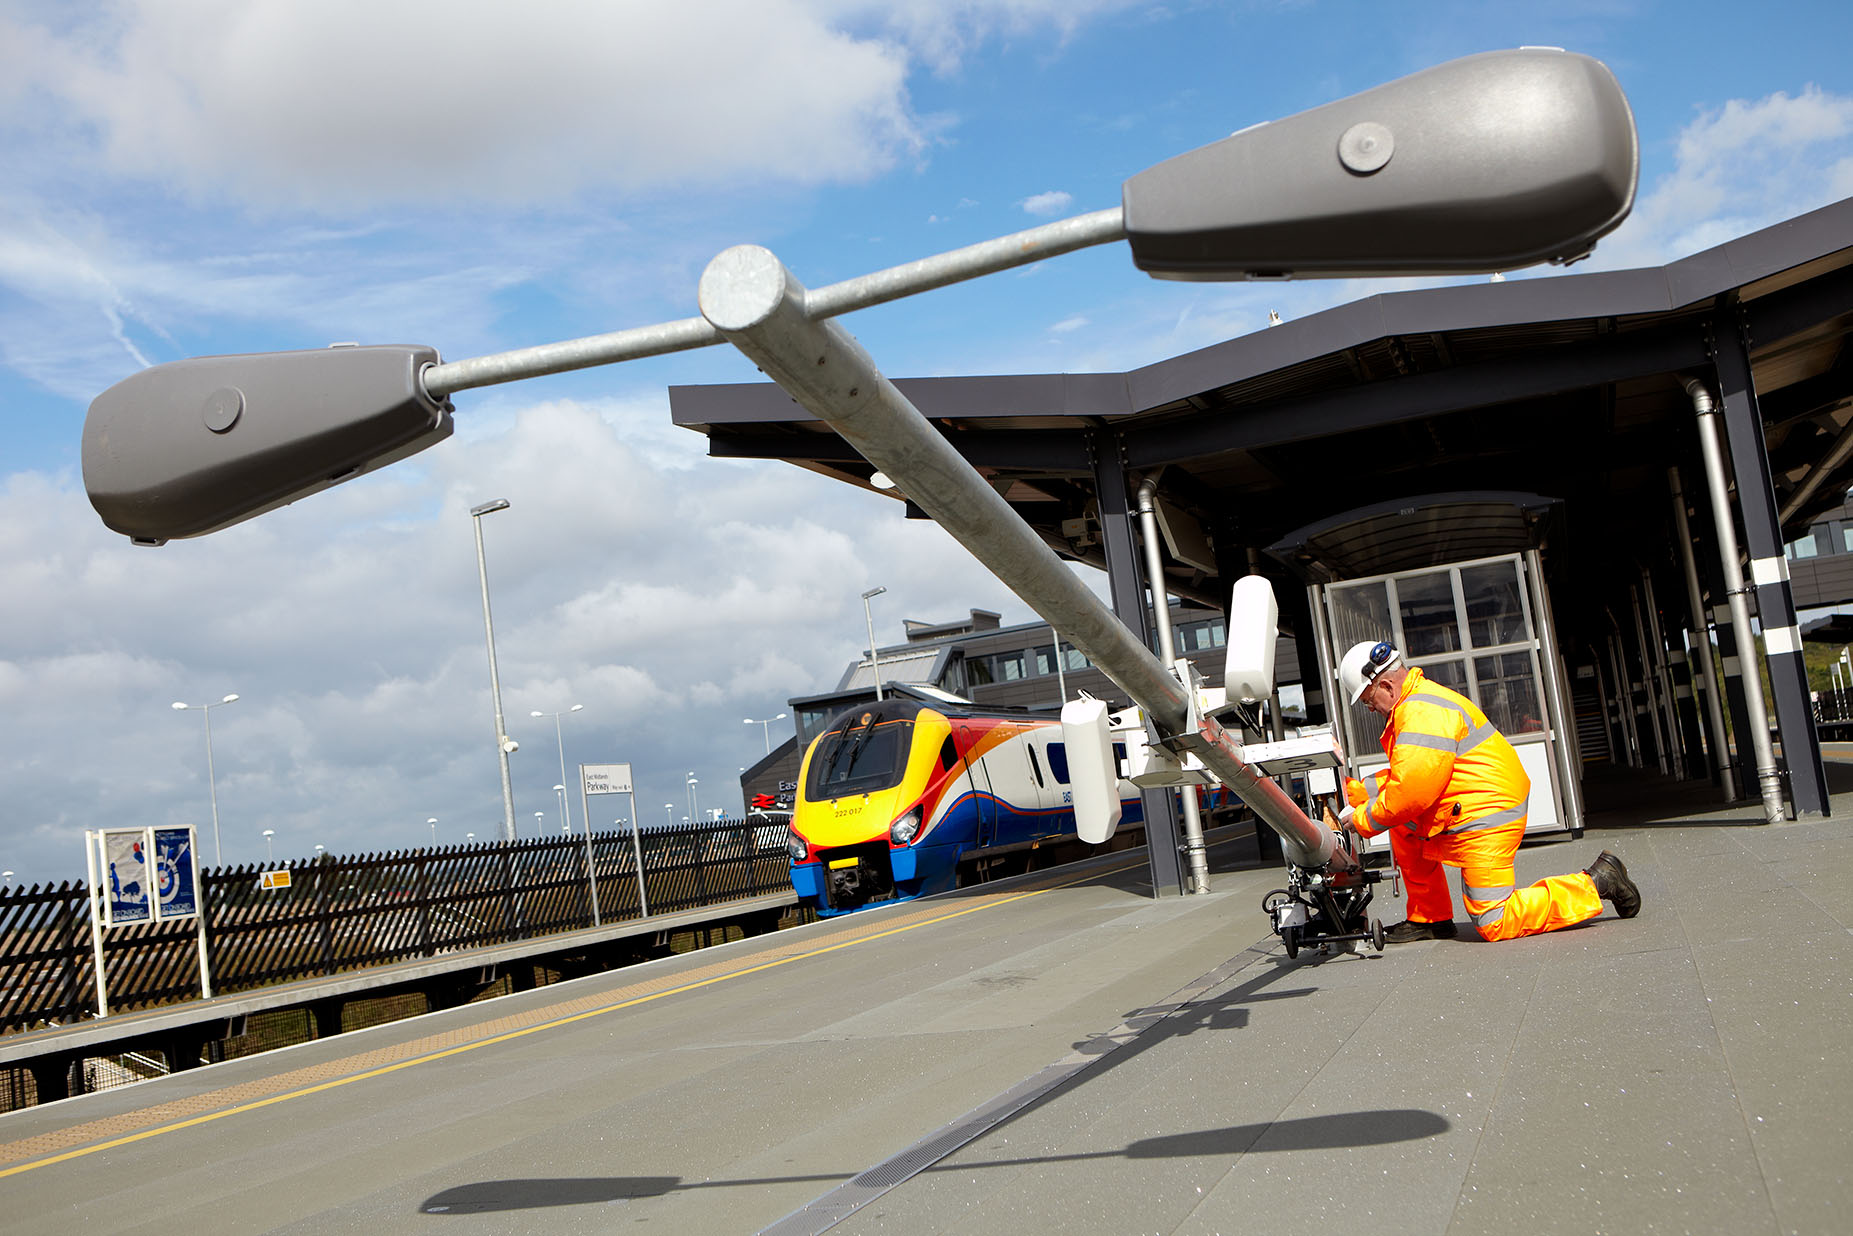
(1689,1070)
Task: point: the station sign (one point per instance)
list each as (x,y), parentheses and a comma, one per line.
(605,778)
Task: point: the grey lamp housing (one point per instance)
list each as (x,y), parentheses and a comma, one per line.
(192,446)
(1487,163)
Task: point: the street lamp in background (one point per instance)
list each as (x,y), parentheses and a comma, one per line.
(669,813)
(212,785)
(504,745)
(539,830)
(269,854)
(433,821)
(693,781)
(470,838)
(766,728)
(6,877)
(565,813)
(869,618)
(559,793)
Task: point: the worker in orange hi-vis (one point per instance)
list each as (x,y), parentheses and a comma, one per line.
(1455,795)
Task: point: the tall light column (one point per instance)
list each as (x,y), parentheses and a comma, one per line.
(869,618)
(693,781)
(212,784)
(766,728)
(433,821)
(558,737)
(504,745)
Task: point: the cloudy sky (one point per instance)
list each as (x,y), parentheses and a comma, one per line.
(185,177)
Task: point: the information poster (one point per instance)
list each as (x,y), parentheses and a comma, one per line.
(176,873)
(125,878)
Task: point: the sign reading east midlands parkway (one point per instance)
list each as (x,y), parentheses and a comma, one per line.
(606,778)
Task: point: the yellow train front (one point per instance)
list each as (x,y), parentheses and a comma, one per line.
(893,797)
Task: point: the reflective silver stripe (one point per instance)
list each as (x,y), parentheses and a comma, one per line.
(1498,893)
(1474,737)
(1376,825)
(1370,788)
(1432,741)
(1487,918)
(1490,821)
(1438,702)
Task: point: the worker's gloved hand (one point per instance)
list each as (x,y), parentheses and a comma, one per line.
(1355,793)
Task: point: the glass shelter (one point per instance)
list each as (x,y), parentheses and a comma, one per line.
(1482,628)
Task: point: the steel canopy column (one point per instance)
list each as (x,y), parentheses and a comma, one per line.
(1769,572)
(1126,587)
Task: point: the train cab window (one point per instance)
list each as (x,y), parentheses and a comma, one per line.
(859,759)
(1058,762)
(1034,766)
(948,754)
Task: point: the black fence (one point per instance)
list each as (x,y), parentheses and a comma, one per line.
(347,912)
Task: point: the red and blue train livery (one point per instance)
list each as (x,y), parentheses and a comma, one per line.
(894,796)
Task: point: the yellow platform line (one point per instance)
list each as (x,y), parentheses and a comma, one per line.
(421,1051)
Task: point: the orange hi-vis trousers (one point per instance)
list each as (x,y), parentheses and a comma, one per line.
(1498,909)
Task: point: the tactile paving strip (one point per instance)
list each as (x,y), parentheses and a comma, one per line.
(90,1136)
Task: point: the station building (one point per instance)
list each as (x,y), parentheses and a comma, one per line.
(1544,489)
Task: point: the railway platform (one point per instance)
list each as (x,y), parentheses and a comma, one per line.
(1061,1052)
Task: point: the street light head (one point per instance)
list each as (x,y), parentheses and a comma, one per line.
(559,789)
(873,592)
(270,832)
(192,446)
(1483,164)
(537,713)
(432,820)
(179,705)
(576,708)
(490,507)
(228,699)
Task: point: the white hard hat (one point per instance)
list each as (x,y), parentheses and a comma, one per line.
(1362,665)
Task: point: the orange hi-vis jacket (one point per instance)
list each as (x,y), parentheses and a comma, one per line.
(1451,770)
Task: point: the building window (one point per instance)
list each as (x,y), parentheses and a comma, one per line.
(1801,547)
(998,667)
(1198,636)
(1071,660)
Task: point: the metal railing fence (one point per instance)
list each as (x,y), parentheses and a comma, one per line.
(348,912)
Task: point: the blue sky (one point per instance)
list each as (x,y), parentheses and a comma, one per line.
(184,178)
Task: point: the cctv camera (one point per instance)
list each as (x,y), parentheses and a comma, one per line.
(510,746)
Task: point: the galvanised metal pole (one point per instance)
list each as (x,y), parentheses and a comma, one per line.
(1194,859)
(749,296)
(495,681)
(987,257)
(1769,780)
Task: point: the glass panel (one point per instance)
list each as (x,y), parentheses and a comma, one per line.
(977,671)
(859,759)
(1360,613)
(1495,606)
(1509,693)
(1007,666)
(1429,623)
(1451,674)
(1045,661)
(1058,761)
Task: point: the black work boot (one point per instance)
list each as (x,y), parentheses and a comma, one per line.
(1407,932)
(1613,884)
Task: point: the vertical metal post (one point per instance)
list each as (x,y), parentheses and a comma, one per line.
(1626,709)
(1159,806)
(1567,761)
(93,840)
(1647,680)
(1769,780)
(495,681)
(1195,863)
(591,871)
(1663,677)
(643,896)
(1769,571)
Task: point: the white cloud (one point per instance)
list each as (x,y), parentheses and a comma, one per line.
(1052,203)
(1737,168)
(668,593)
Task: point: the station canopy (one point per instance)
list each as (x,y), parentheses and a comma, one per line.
(1543,410)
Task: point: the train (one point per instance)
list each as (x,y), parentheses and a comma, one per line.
(896,798)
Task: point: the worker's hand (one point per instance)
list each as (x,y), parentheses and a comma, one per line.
(1355,793)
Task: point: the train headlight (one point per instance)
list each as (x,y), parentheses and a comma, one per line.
(903,830)
(796,845)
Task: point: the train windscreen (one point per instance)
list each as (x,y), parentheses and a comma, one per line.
(859,759)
